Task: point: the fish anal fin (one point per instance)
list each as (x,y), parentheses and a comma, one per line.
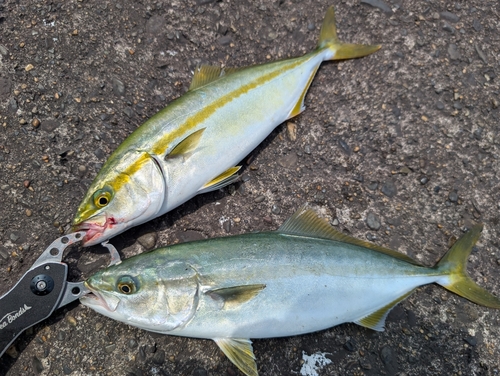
(305,222)
(231,297)
(204,75)
(376,320)
(227,177)
(240,352)
(299,106)
(186,147)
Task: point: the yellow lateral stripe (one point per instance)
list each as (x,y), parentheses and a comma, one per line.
(123,178)
(160,147)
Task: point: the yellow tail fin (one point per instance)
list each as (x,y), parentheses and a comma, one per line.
(339,51)
(454,264)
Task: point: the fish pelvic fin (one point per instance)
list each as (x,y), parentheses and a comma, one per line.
(339,51)
(453,265)
(240,352)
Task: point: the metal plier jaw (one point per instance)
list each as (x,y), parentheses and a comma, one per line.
(43,289)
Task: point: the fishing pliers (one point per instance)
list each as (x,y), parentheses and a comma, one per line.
(42,289)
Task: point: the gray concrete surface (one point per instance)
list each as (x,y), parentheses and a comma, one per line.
(400,148)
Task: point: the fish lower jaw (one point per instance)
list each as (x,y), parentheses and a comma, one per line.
(95,301)
(94,232)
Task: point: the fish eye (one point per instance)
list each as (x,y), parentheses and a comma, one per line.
(102,197)
(127,284)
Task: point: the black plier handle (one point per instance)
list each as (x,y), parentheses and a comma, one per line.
(42,289)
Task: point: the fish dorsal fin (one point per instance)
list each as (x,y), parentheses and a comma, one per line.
(186,147)
(231,297)
(376,320)
(205,74)
(232,70)
(227,177)
(305,222)
(240,352)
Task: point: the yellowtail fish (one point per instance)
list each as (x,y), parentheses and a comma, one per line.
(302,278)
(194,144)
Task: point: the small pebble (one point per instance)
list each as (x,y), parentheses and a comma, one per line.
(70,319)
(453,196)
(29,67)
(67,370)
(37,365)
(132,343)
(275,209)
(29,213)
(159,357)
(148,241)
(225,40)
(389,189)
(373,221)
(35,123)
(472,341)
(110,348)
(448,16)
(291,131)
(259,199)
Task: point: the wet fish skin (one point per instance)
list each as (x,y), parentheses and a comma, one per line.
(194,144)
(302,278)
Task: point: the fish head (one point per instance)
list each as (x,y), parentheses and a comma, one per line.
(129,190)
(145,293)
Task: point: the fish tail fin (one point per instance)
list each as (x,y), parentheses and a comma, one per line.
(328,40)
(453,266)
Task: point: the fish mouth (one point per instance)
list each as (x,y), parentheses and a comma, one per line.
(95,300)
(94,229)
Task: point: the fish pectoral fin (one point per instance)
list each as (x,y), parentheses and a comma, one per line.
(227,177)
(186,147)
(305,222)
(376,320)
(240,352)
(231,297)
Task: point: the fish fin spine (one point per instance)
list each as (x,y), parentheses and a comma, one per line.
(240,353)
(453,267)
(337,50)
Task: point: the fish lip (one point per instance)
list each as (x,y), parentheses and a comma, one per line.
(95,298)
(93,230)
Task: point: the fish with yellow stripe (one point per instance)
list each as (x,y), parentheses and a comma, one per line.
(194,144)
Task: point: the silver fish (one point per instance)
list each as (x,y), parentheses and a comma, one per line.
(302,278)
